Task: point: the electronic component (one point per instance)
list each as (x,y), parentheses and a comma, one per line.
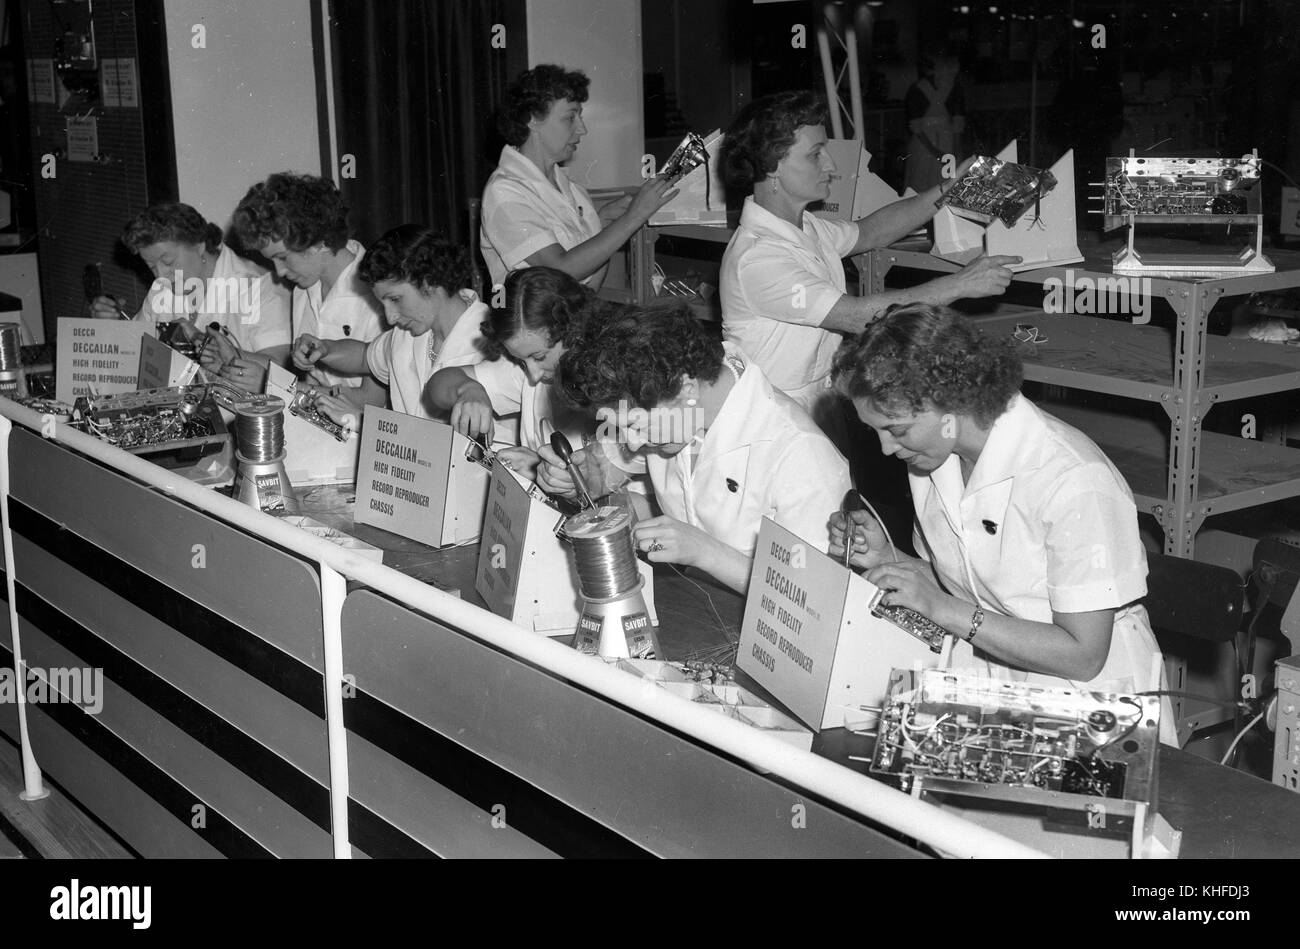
(910,621)
(165,420)
(1185,191)
(304,406)
(997,190)
(686,157)
(1179,190)
(976,740)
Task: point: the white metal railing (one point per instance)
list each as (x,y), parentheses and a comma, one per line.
(939,829)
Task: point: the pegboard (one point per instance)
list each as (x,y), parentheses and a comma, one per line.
(82,208)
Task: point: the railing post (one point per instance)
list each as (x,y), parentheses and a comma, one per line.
(333,590)
(33,784)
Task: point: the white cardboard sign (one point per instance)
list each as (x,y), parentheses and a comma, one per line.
(808,636)
(415,480)
(103,355)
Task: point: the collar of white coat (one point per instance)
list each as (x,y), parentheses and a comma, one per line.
(349,283)
(1014,447)
(517,165)
(762,223)
(745,416)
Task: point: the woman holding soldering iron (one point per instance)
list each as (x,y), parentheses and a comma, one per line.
(722,446)
(1032,557)
(205,287)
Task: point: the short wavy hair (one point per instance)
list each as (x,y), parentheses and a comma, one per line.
(762,133)
(918,356)
(300,210)
(546,301)
(173,222)
(419,256)
(641,354)
(531,96)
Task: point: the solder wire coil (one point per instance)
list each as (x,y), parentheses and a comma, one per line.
(10,346)
(259,428)
(604,552)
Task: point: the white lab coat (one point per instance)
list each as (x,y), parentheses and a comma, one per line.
(1045,524)
(763,456)
(240,295)
(405,363)
(523,212)
(778,283)
(349,311)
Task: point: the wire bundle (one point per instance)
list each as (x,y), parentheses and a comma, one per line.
(10,344)
(259,429)
(605,555)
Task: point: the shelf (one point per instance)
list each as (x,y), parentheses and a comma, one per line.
(1235,473)
(1097,262)
(1119,358)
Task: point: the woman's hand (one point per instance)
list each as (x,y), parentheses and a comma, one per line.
(553,475)
(472,414)
(984,277)
(650,197)
(521,460)
(245,371)
(910,583)
(870,546)
(342,409)
(106,308)
(668,540)
(308,350)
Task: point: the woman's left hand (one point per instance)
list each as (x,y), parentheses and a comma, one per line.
(910,584)
(343,409)
(668,540)
(248,374)
(521,460)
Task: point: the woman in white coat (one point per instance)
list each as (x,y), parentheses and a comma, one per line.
(198,281)
(722,446)
(1033,560)
(533,215)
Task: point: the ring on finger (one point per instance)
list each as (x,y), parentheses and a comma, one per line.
(655,547)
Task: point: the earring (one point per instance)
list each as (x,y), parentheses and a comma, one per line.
(691,403)
(774,185)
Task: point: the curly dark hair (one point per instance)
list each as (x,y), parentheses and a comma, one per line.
(300,210)
(641,354)
(546,301)
(531,95)
(420,256)
(918,356)
(761,135)
(170,221)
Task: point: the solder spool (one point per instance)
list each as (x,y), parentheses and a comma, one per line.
(259,437)
(613,622)
(12,382)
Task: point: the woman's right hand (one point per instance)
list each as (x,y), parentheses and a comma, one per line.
(553,475)
(870,546)
(650,197)
(308,350)
(984,277)
(472,415)
(106,308)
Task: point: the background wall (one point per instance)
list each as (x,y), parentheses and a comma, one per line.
(244,106)
(605,43)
